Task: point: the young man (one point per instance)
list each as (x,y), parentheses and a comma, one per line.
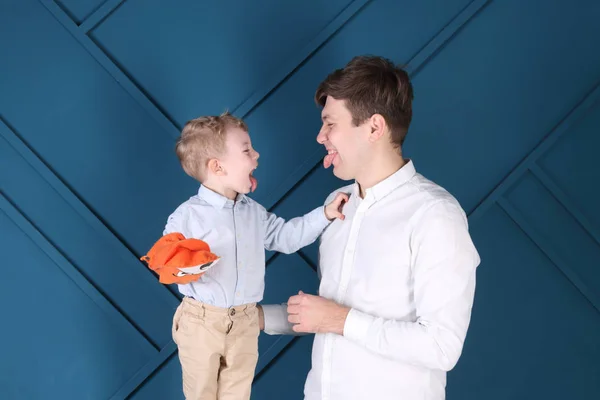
(398,273)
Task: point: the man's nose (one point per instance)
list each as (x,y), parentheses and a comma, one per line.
(321,137)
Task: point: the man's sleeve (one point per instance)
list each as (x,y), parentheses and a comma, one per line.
(444,265)
(276,320)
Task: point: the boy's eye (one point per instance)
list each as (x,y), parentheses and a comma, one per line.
(246,151)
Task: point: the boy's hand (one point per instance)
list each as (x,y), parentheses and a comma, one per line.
(334,209)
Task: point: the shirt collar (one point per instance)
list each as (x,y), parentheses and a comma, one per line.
(217,200)
(386,186)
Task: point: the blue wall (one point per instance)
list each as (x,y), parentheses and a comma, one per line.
(93,94)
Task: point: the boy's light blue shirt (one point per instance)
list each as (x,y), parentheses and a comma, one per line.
(238,232)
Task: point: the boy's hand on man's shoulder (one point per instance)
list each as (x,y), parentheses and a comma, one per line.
(333,210)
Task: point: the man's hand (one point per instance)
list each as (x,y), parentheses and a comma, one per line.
(334,209)
(315,314)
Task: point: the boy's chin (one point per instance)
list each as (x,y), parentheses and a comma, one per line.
(244,190)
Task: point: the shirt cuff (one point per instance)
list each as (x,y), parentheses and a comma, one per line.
(356,327)
(276,319)
(318,218)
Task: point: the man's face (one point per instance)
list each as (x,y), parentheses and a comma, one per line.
(345,143)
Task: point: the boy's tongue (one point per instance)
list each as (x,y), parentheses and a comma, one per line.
(254,183)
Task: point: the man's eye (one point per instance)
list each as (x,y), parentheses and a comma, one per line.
(246,151)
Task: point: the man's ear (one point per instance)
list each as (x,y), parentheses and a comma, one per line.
(378,127)
(215,167)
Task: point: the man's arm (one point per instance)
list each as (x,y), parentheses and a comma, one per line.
(444,265)
(288,237)
(273,319)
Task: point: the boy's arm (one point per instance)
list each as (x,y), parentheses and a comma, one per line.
(288,237)
(273,318)
(175,222)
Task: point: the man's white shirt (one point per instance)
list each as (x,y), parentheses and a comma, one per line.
(404,262)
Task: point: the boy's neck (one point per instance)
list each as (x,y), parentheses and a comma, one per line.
(226,192)
(380,168)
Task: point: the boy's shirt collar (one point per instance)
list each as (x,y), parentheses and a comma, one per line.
(217,200)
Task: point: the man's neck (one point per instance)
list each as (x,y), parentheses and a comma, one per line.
(379,170)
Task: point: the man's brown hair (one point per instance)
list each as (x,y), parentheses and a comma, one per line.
(372,85)
(203,138)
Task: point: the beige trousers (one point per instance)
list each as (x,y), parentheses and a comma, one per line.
(218,349)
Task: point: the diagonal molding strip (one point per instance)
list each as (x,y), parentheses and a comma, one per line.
(273,361)
(100,15)
(144,373)
(577,112)
(567,203)
(109,66)
(447,33)
(416,63)
(547,250)
(153,366)
(80,207)
(81,35)
(301,57)
(95,294)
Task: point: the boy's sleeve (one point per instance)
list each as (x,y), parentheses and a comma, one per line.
(288,237)
(175,222)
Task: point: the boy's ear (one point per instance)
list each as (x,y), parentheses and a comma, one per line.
(215,167)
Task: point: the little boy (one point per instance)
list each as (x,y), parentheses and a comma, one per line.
(216,326)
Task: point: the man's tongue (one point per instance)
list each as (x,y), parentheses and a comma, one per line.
(328,160)
(254,183)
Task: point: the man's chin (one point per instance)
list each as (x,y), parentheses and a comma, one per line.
(340,174)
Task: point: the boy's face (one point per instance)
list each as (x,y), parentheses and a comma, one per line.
(238,162)
(345,143)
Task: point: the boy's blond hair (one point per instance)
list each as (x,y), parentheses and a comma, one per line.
(203,138)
